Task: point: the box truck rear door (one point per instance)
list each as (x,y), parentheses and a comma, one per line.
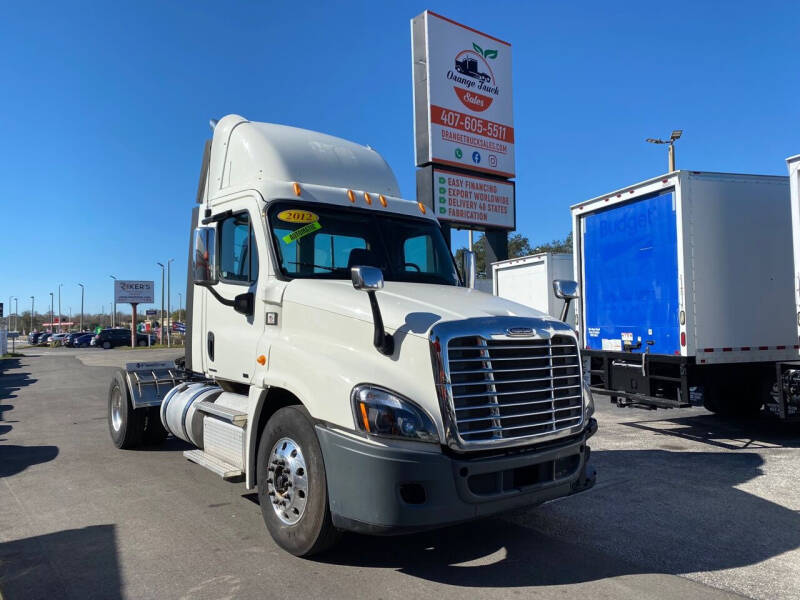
(630,268)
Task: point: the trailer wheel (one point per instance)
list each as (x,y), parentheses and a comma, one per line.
(292,486)
(734,398)
(154,431)
(125,424)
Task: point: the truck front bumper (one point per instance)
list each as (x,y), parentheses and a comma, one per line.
(389,490)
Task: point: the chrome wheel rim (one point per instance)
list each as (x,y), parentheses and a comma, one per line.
(116,409)
(287,481)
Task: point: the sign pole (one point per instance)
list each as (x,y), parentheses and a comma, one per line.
(133,325)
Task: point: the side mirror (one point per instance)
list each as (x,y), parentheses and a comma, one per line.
(245,303)
(470,269)
(370,279)
(367,278)
(204,256)
(567,290)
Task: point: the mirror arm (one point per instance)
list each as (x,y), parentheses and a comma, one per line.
(383,341)
(215,293)
(565,309)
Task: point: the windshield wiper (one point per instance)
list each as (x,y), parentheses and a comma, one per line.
(305,264)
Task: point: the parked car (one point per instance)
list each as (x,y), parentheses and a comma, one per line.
(43,339)
(58,338)
(71,337)
(33,337)
(111,338)
(82,340)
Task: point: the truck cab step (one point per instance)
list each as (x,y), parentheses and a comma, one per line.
(213,464)
(231,415)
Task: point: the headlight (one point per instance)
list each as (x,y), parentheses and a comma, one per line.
(588,401)
(380,412)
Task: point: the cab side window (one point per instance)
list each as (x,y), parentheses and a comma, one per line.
(238,255)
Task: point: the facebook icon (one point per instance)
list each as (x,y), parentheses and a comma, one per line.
(476,157)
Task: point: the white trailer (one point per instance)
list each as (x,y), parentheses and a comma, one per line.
(336,363)
(529,281)
(686,284)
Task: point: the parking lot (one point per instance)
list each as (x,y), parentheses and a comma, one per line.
(686,505)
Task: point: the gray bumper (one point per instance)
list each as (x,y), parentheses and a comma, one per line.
(396,490)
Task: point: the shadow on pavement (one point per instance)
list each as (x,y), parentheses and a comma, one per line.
(679,512)
(75,563)
(12,381)
(727,433)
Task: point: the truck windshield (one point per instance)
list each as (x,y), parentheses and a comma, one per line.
(323,242)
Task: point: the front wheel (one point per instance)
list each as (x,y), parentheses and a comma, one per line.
(292,486)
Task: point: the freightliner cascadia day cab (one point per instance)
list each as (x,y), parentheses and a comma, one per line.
(335,362)
(687,296)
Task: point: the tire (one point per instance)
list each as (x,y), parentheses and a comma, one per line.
(106,345)
(154,432)
(141,343)
(311,531)
(734,398)
(125,424)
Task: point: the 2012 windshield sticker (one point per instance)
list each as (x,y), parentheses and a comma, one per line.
(302,232)
(297,216)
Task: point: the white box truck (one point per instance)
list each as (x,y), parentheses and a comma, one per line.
(529,281)
(686,291)
(335,362)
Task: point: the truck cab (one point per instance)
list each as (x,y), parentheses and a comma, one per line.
(336,362)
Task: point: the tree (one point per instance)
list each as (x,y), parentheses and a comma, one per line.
(518,246)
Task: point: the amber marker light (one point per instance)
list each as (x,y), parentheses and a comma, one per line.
(262,360)
(421,207)
(382,198)
(364,416)
(351,194)
(367,198)
(297,190)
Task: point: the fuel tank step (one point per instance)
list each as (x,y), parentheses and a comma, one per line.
(215,465)
(231,415)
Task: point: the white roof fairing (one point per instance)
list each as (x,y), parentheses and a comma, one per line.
(245,152)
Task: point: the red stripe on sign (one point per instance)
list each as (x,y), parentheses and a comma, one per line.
(727,349)
(708,349)
(763,347)
(780,347)
(474,125)
(745,348)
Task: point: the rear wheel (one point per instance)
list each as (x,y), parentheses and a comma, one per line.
(292,487)
(106,345)
(736,397)
(125,424)
(141,343)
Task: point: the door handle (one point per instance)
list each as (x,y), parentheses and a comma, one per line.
(210,345)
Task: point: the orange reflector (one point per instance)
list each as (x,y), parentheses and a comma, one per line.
(351,195)
(297,189)
(421,207)
(364,416)
(262,359)
(367,198)
(382,199)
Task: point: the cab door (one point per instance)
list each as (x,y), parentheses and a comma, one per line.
(231,338)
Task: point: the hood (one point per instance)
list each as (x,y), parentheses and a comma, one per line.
(418,306)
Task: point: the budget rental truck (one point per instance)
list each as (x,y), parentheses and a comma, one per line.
(687,292)
(335,362)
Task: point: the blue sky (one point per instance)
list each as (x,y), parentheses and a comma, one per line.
(104,109)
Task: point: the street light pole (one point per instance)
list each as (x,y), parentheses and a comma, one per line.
(180,307)
(169,314)
(161,320)
(60,328)
(32,303)
(51,312)
(675,136)
(16,313)
(114,303)
(82,288)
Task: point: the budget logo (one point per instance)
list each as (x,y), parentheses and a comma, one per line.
(473,78)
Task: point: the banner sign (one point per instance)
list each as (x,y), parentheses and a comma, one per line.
(463,114)
(133,292)
(151,312)
(472,201)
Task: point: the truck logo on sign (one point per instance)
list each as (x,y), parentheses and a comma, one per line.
(474,73)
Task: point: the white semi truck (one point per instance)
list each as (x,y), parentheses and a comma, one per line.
(335,362)
(686,292)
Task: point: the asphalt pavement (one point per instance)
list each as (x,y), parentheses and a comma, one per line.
(687,505)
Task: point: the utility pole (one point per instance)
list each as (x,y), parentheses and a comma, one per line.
(32,303)
(161,319)
(114,302)
(80,284)
(180,303)
(60,328)
(675,136)
(169,314)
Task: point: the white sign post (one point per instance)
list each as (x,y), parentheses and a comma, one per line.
(133,293)
(462,97)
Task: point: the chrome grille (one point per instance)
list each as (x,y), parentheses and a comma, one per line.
(511,389)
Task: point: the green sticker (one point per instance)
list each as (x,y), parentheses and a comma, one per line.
(441,180)
(303,231)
